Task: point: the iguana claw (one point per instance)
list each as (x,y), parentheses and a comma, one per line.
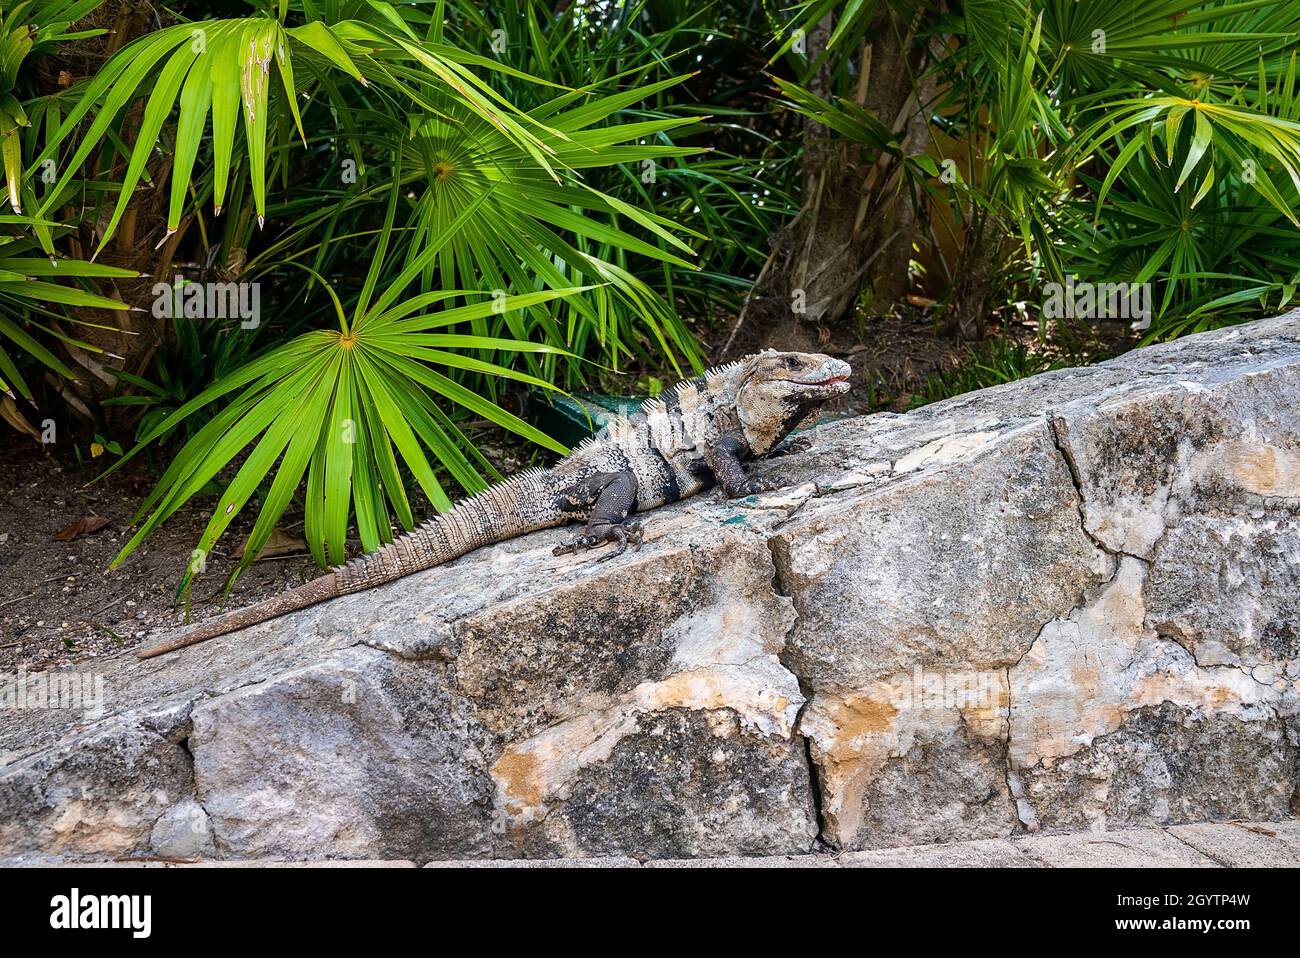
(792,446)
(623,534)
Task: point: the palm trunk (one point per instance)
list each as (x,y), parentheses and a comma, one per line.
(855,227)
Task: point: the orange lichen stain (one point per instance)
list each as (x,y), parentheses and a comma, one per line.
(703,689)
(1264,470)
(520,775)
(694,688)
(1256,469)
(987,717)
(863,716)
(1067,731)
(1085,677)
(1106,717)
(1182,690)
(1218,696)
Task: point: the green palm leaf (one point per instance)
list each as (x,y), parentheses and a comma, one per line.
(30,294)
(224,66)
(334,405)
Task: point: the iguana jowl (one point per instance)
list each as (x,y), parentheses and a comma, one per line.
(694,436)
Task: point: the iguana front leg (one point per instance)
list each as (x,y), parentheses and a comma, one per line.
(611,496)
(724,460)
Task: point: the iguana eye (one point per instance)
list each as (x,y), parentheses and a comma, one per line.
(791,362)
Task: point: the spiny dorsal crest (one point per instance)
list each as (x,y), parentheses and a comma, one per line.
(651,406)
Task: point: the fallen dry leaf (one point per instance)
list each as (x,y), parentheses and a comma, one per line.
(279,543)
(10,414)
(82,527)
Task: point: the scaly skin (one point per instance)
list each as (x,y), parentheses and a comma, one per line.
(696,435)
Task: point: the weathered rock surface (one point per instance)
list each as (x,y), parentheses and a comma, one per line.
(1207,845)
(1065,603)
(511,704)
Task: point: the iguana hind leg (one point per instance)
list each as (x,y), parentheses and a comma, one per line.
(613,496)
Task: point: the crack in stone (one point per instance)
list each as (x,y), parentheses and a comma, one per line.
(1170,514)
(218,844)
(781,588)
(1221,862)
(1054,423)
(1168,528)
(1024,810)
(814,782)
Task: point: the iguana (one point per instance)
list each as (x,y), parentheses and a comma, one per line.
(693,436)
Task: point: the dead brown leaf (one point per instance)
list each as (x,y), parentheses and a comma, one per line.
(10,414)
(82,527)
(279,543)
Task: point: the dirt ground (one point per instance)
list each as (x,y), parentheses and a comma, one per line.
(892,363)
(59,603)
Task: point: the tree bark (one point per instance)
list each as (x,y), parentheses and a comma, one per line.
(973,285)
(856,226)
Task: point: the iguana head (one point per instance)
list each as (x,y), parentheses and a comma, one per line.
(779,391)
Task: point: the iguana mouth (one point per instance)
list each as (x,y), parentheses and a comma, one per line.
(828,381)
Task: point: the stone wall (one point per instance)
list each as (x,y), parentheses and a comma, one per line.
(1065,603)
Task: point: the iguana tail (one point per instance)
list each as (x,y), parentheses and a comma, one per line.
(524,503)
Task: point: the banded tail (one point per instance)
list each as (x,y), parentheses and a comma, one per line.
(522,504)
